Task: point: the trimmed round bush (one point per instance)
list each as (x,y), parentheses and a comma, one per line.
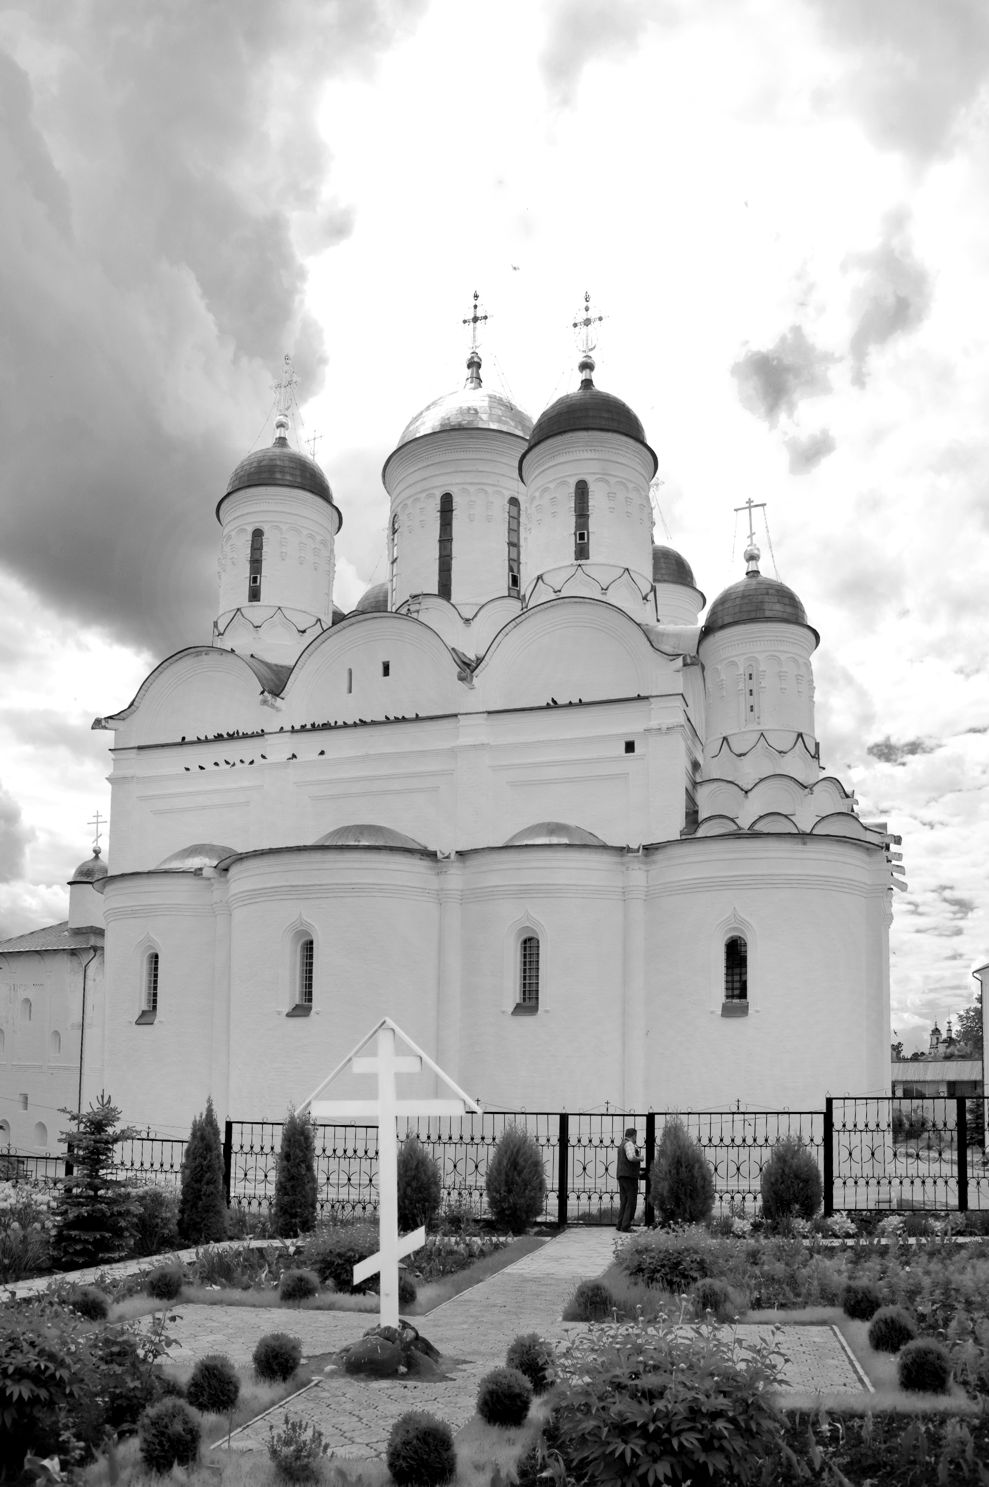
(419,1187)
(276,1357)
(860,1300)
(298,1285)
(164,1282)
(891,1327)
(591,1302)
(214,1387)
(790,1182)
(533,1357)
(680,1181)
(169,1435)
(714,1296)
(923,1367)
(516,1180)
(90,1302)
(504,1396)
(420,1451)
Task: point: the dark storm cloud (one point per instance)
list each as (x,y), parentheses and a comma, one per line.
(14,837)
(773,383)
(917,66)
(163,173)
(892,294)
(806,451)
(582,31)
(888,752)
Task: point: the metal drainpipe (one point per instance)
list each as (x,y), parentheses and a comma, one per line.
(82,1024)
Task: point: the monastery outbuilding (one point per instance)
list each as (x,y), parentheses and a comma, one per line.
(524,800)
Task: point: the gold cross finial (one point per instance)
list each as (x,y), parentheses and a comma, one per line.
(751,506)
(97,821)
(584,323)
(474,320)
(284,388)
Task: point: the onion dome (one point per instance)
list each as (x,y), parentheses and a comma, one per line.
(554,834)
(756,599)
(280,465)
(194,858)
(91,870)
(368,836)
(588,410)
(373,599)
(338,615)
(669,567)
(469,407)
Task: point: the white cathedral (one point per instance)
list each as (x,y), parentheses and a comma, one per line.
(574,839)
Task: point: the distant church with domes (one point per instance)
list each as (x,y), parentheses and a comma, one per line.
(572,834)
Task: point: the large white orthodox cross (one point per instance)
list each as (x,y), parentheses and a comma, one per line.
(384,1111)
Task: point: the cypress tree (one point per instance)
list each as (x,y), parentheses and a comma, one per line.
(295,1183)
(202,1210)
(96,1211)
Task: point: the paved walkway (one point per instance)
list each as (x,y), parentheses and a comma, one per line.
(475,1329)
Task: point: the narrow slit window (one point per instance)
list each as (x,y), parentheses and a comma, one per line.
(386,668)
(444,577)
(151,982)
(736,970)
(581,522)
(393,559)
(514,512)
(350,678)
(254,568)
(306,964)
(529,972)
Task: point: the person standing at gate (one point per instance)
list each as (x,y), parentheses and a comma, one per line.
(629,1168)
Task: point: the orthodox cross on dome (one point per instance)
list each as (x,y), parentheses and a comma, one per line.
(284,390)
(586,339)
(97,822)
(752,554)
(311,443)
(474,320)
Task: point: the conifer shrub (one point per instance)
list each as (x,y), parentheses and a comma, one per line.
(169,1434)
(95,1210)
(534,1357)
(714,1296)
(294,1210)
(504,1396)
(164,1282)
(419,1187)
(296,1449)
(516,1180)
(90,1302)
(680,1183)
(156,1221)
(276,1357)
(214,1386)
(590,1302)
(334,1251)
(890,1328)
(860,1300)
(790,1182)
(923,1367)
(420,1451)
(202,1210)
(298,1285)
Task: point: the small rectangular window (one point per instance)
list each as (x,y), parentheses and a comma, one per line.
(630,746)
(386,668)
(350,679)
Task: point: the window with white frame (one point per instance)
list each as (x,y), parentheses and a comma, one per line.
(736,985)
(528,984)
(150,998)
(306,964)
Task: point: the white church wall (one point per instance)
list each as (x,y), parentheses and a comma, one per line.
(772,662)
(297,561)
(40,1023)
(618,472)
(200,691)
(370,666)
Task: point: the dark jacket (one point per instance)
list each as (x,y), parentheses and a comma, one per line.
(626,1167)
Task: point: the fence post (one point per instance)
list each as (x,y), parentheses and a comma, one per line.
(828,1156)
(228,1158)
(649,1217)
(563,1170)
(961,1151)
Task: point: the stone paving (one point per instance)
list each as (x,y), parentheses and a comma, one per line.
(474,1329)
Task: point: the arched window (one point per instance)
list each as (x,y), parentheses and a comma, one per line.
(55,1044)
(149,987)
(444,578)
(581,522)
(528,989)
(254,569)
(41,1135)
(514,511)
(736,969)
(307,955)
(25,1009)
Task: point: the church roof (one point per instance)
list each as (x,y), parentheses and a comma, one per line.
(755,597)
(54,937)
(373,599)
(669,567)
(554,834)
(472,406)
(281,465)
(367,836)
(194,858)
(588,410)
(91,870)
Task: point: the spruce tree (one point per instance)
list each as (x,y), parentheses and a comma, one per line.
(295,1184)
(202,1210)
(96,1212)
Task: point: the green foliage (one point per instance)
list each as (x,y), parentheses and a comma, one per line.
(886,1449)
(214,1386)
(504,1396)
(890,1328)
(671,1260)
(533,1357)
(860,1300)
(419,1188)
(90,1302)
(25,1230)
(680,1183)
(296,1449)
(156,1221)
(95,1210)
(516,1180)
(790,1182)
(924,1367)
(164,1282)
(590,1302)
(334,1250)
(169,1433)
(298,1285)
(909,1125)
(202,1211)
(714,1296)
(420,1451)
(294,1210)
(276,1357)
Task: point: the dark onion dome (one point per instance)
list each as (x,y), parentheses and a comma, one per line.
(756,599)
(588,410)
(373,599)
(338,615)
(194,858)
(282,465)
(91,870)
(669,567)
(368,836)
(469,407)
(554,834)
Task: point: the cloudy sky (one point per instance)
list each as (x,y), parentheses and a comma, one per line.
(779,206)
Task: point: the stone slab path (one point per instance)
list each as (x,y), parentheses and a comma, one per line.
(475,1328)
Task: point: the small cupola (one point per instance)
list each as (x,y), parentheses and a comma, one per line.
(85,893)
